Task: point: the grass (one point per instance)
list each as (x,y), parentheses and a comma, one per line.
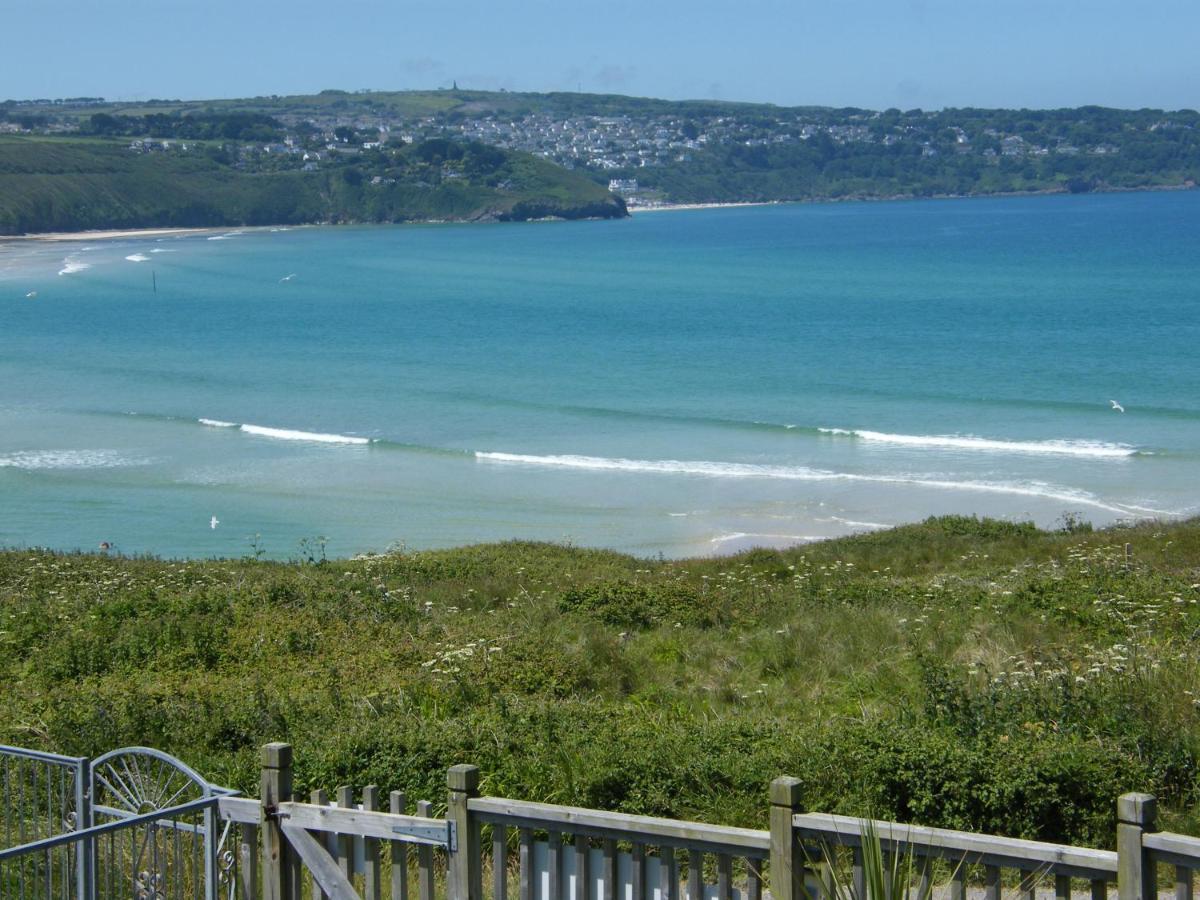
(960,672)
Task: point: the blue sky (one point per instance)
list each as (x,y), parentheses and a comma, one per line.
(870,53)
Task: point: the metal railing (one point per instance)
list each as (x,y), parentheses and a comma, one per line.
(43,795)
(134,823)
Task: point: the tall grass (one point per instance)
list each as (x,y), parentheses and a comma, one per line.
(963,673)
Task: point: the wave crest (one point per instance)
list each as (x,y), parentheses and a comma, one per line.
(1062,447)
(1036,489)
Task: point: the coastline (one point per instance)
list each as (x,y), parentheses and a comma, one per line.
(891,198)
(119,233)
(107,234)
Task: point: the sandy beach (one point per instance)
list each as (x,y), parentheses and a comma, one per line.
(666,207)
(57,236)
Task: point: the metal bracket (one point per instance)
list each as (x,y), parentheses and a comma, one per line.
(438,834)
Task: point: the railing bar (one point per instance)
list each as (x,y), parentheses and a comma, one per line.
(695,875)
(724,877)
(373,874)
(399,852)
(345,843)
(638,870)
(10,752)
(499,862)
(1183,883)
(924,879)
(583,867)
(610,870)
(669,871)
(754,879)
(8,805)
(197,878)
(958,883)
(554,844)
(1062,887)
(104,828)
(178,857)
(320,798)
(858,872)
(991,883)
(525,863)
(1099,889)
(1028,887)
(425,883)
(247,860)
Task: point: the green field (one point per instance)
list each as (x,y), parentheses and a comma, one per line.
(965,673)
(77,183)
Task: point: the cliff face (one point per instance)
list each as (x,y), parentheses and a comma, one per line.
(71,184)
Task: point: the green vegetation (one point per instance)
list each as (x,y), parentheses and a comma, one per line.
(74,183)
(964,673)
(690,151)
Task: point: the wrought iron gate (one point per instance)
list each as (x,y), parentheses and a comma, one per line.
(133,823)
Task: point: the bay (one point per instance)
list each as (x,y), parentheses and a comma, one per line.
(681,383)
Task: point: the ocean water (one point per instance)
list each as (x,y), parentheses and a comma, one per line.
(686,382)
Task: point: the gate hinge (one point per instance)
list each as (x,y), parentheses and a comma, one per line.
(439,834)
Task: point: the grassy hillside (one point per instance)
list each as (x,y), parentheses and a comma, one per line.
(964,673)
(70,184)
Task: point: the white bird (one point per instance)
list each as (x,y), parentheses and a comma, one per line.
(287,278)
(214,522)
(1117,406)
(31,295)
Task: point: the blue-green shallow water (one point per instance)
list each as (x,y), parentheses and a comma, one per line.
(655,385)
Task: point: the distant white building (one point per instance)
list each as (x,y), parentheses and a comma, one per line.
(623,186)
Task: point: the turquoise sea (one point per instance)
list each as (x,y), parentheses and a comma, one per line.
(683,382)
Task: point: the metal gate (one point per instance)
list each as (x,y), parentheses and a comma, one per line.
(133,823)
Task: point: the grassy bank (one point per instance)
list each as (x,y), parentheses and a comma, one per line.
(963,673)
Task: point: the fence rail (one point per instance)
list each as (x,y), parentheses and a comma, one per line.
(217,846)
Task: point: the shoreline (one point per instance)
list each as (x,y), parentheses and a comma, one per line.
(108,234)
(893,198)
(120,233)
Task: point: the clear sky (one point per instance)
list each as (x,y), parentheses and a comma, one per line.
(869,53)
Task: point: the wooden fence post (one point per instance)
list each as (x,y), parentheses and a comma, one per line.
(275,787)
(787,862)
(1137,879)
(464,865)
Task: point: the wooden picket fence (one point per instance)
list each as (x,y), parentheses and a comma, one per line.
(349,848)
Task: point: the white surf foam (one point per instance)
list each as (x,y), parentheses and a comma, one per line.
(161,250)
(71,265)
(773,538)
(217,423)
(65,459)
(226,236)
(286,434)
(137,257)
(1035,489)
(1086,449)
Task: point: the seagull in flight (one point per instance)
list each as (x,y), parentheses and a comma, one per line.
(1117,406)
(214,522)
(287,278)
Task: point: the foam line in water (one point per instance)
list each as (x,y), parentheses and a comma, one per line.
(287,434)
(65,459)
(217,423)
(137,257)
(774,538)
(1085,449)
(1034,489)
